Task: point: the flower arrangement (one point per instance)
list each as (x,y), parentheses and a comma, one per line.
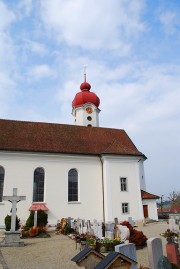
(107,244)
(170,236)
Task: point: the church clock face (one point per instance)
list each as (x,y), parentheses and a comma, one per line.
(89,110)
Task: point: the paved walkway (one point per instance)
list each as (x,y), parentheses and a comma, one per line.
(56,252)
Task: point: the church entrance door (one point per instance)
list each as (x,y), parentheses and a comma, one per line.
(145,210)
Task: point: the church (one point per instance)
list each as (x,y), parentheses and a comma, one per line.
(79,171)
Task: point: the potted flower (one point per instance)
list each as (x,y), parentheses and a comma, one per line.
(91,242)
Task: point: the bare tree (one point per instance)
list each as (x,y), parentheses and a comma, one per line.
(174,198)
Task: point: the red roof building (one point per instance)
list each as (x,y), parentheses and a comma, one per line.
(80,170)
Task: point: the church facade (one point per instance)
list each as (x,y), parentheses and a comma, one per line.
(79,170)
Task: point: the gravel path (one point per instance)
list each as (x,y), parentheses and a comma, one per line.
(56,252)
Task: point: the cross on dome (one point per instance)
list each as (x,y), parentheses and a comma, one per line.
(85,86)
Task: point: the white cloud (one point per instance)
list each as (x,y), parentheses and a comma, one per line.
(94,24)
(7,16)
(170,21)
(36,47)
(41,71)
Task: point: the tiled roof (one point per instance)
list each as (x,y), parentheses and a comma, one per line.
(175,209)
(84,253)
(147,195)
(111,257)
(62,138)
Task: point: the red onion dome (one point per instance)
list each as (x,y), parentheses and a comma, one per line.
(85,97)
(85,86)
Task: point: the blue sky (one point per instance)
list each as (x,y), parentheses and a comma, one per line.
(132,52)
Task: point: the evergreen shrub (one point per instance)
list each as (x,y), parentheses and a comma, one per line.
(7,222)
(42,219)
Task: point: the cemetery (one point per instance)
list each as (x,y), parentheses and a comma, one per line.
(97,245)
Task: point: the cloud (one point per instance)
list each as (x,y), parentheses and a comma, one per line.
(36,47)
(41,71)
(98,25)
(7,16)
(170,21)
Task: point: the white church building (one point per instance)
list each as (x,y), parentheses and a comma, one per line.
(79,170)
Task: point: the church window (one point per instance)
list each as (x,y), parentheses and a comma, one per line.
(89,118)
(1,182)
(123,183)
(125,208)
(72,185)
(38,188)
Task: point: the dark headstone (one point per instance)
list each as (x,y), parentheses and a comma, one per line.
(164,263)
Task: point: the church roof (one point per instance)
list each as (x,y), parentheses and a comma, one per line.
(62,138)
(147,195)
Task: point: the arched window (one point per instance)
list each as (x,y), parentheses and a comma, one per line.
(1,182)
(72,185)
(38,187)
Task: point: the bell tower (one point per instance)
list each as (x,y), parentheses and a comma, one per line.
(85,106)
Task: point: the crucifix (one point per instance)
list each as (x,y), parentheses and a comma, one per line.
(14,199)
(85,67)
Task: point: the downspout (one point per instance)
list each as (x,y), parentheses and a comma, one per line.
(103,188)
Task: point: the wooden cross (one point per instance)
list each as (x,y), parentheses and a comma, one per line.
(14,199)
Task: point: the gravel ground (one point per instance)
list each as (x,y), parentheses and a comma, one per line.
(56,252)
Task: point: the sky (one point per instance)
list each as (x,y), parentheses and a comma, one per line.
(132,49)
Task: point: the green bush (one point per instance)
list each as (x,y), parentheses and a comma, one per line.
(42,219)
(7,222)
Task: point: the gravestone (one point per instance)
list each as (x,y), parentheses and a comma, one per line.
(172,253)
(131,221)
(95,228)
(109,234)
(99,232)
(164,263)
(129,250)
(172,225)
(124,232)
(69,221)
(154,246)
(88,226)
(12,237)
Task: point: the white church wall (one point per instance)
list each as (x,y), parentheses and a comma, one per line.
(142,175)
(117,167)
(152,208)
(19,171)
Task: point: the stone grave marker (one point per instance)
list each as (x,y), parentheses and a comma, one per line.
(172,253)
(164,263)
(116,220)
(12,237)
(99,232)
(124,232)
(95,228)
(154,246)
(88,226)
(69,221)
(172,224)
(129,250)
(109,234)
(131,221)
(109,227)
